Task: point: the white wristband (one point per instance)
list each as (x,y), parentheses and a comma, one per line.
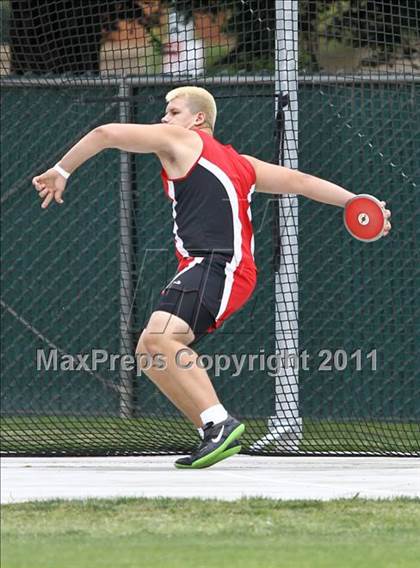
(61,171)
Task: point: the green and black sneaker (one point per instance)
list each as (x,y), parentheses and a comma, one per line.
(220,442)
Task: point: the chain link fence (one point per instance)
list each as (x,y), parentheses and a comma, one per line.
(328,339)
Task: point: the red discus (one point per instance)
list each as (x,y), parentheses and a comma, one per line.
(364,218)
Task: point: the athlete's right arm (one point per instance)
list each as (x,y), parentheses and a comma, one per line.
(159,139)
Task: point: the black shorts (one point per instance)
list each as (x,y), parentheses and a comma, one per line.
(208,290)
(195,294)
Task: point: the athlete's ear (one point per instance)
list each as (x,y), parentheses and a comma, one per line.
(200,118)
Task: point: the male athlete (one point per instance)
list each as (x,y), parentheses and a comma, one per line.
(210,186)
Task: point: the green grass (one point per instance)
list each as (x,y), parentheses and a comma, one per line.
(108,435)
(167,533)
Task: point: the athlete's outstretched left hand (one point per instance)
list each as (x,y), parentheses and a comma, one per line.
(50,185)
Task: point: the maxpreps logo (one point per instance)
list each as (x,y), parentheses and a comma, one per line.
(53,360)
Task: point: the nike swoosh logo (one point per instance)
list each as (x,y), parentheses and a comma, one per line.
(219,436)
(177,282)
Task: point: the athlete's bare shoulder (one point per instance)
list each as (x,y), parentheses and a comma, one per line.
(178,159)
(181,138)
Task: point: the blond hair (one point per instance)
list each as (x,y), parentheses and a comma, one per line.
(199,100)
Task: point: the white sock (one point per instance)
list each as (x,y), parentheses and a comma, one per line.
(215,414)
(201,433)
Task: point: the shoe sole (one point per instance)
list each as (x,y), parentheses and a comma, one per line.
(224,455)
(220,453)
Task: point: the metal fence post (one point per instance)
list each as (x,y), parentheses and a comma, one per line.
(126,259)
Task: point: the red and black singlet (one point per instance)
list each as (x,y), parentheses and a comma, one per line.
(211,208)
